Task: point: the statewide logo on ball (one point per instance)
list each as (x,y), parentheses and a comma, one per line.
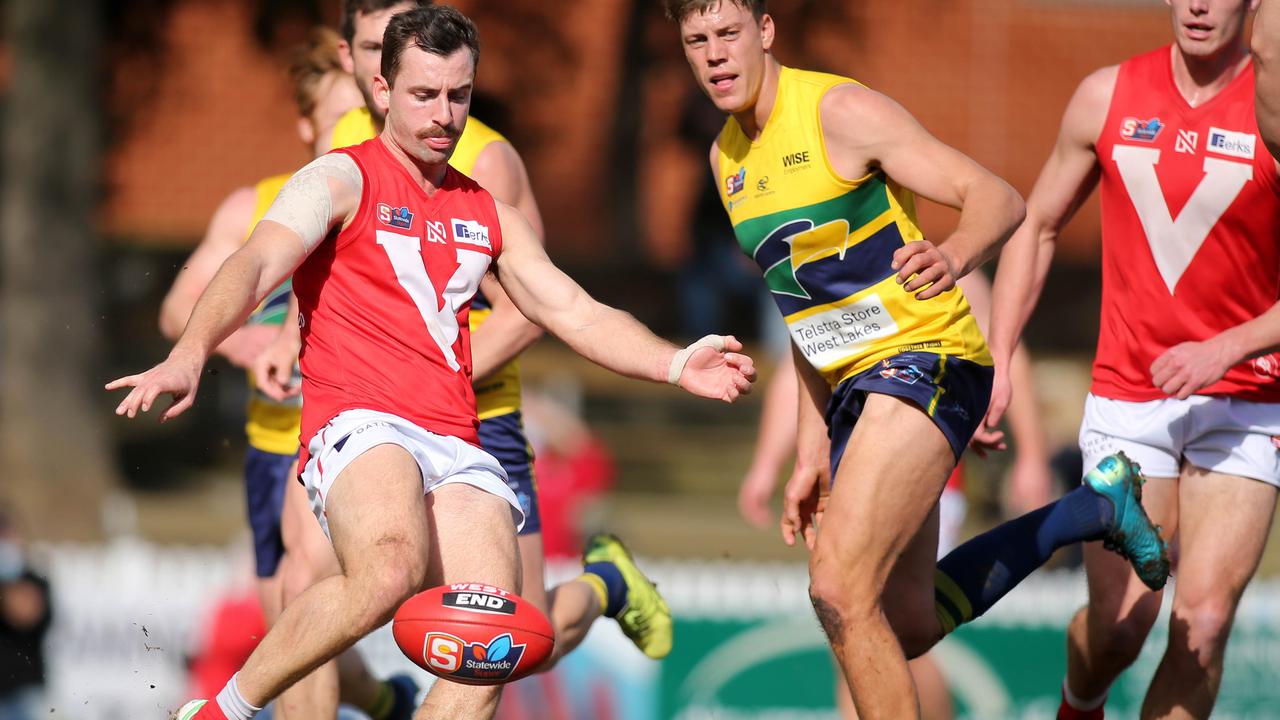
(450,655)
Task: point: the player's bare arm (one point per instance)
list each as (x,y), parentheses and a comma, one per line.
(506,332)
(1266,56)
(804,498)
(865,131)
(317,199)
(607,336)
(227,230)
(1067,179)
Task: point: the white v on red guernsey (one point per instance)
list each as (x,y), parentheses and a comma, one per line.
(1190,229)
(384,304)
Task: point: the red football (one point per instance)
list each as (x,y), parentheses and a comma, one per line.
(473,633)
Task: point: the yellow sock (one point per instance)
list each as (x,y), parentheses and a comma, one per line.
(597,583)
(382,704)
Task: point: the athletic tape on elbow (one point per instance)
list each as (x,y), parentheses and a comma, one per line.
(305,203)
(678,362)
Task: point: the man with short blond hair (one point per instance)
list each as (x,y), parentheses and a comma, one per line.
(819,175)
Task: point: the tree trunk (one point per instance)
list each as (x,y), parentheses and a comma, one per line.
(54,451)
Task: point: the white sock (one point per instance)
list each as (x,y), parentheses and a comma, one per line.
(1079,704)
(233,704)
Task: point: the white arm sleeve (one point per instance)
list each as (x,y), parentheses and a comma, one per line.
(305,203)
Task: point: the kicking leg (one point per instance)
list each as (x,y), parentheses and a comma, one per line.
(1107,506)
(309,558)
(377,520)
(1224,525)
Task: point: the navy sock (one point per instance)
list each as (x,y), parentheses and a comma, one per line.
(615,586)
(974,576)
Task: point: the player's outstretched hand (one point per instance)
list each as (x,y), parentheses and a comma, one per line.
(273,368)
(1186,368)
(803,503)
(921,264)
(719,374)
(176,376)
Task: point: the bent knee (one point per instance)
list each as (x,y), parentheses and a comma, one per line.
(1204,624)
(1121,640)
(833,589)
(840,613)
(838,602)
(840,577)
(382,588)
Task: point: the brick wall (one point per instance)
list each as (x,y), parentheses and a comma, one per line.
(988,76)
(216,113)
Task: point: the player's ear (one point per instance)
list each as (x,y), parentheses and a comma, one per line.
(381,92)
(306,131)
(766,31)
(344,57)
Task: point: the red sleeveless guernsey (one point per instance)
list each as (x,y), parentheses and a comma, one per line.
(1190,229)
(384,304)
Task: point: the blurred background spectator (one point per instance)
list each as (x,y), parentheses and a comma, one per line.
(25,616)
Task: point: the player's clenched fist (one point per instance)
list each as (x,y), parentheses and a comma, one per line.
(1187,368)
(177,376)
(920,264)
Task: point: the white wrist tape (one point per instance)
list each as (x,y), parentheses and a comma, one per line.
(682,356)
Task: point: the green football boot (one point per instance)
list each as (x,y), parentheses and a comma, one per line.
(645,617)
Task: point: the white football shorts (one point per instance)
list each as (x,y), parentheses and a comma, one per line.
(1221,434)
(952,508)
(443,460)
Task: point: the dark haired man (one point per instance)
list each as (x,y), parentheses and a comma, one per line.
(611,585)
(389,245)
(282,525)
(819,175)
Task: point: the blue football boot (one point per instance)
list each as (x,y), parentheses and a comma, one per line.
(1131,534)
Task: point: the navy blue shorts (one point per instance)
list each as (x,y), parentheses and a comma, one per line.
(503,437)
(265,475)
(954,393)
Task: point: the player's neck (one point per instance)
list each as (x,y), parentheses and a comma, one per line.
(756,115)
(428,176)
(1199,79)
